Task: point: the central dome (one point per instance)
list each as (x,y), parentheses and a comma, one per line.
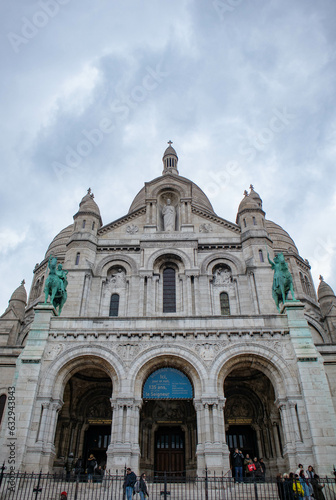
(198,198)
(171,178)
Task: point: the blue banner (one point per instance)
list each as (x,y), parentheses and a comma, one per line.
(167,383)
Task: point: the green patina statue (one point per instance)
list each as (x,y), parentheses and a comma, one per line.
(56,284)
(282,281)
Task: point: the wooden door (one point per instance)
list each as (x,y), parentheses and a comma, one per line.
(170,450)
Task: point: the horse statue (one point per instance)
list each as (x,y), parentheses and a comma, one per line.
(56,284)
(282,280)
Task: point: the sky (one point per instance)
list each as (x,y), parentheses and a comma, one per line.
(92,91)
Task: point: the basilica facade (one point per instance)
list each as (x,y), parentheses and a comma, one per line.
(170,351)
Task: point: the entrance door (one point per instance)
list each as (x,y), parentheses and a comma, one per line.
(97,439)
(169,450)
(244,438)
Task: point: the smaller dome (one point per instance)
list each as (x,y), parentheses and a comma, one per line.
(282,242)
(88,204)
(324,290)
(19,294)
(58,245)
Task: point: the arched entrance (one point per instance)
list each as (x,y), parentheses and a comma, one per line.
(168,423)
(84,423)
(252,421)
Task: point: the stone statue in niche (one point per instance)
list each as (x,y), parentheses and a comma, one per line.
(222,277)
(118,278)
(169,216)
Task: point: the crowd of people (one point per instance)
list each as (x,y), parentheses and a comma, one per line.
(244,468)
(304,485)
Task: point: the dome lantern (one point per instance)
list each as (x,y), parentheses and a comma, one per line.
(170,160)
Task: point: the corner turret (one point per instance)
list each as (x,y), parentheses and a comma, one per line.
(250,214)
(88,218)
(327,300)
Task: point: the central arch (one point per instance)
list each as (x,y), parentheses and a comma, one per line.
(168,424)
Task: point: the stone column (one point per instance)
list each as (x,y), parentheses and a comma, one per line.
(276,439)
(295,423)
(44,416)
(124,447)
(286,427)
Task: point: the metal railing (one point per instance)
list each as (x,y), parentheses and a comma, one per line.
(25,486)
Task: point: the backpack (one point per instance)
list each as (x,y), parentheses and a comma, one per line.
(137,487)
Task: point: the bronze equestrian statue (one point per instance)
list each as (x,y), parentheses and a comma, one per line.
(282,280)
(56,284)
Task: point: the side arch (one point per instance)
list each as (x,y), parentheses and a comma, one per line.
(73,360)
(265,360)
(238,267)
(102,267)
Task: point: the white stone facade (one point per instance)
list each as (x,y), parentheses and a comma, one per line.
(263,380)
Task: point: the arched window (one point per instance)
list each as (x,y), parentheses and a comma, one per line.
(303,284)
(114,304)
(307,282)
(261,256)
(169,290)
(2,405)
(77,259)
(224,304)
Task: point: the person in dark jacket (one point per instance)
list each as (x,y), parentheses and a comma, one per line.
(91,465)
(280,486)
(263,468)
(143,488)
(257,473)
(129,483)
(237,462)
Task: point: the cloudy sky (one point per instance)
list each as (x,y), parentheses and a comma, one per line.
(92,91)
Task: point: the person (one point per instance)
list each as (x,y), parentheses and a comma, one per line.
(64,495)
(238,460)
(129,483)
(143,490)
(247,461)
(305,485)
(288,486)
(100,474)
(263,468)
(169,216)
(91,465)
(256,473)
(280,486)
(310,474)
(318,493)
(299,469)
(297,488)
(68,466)
(78,466)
